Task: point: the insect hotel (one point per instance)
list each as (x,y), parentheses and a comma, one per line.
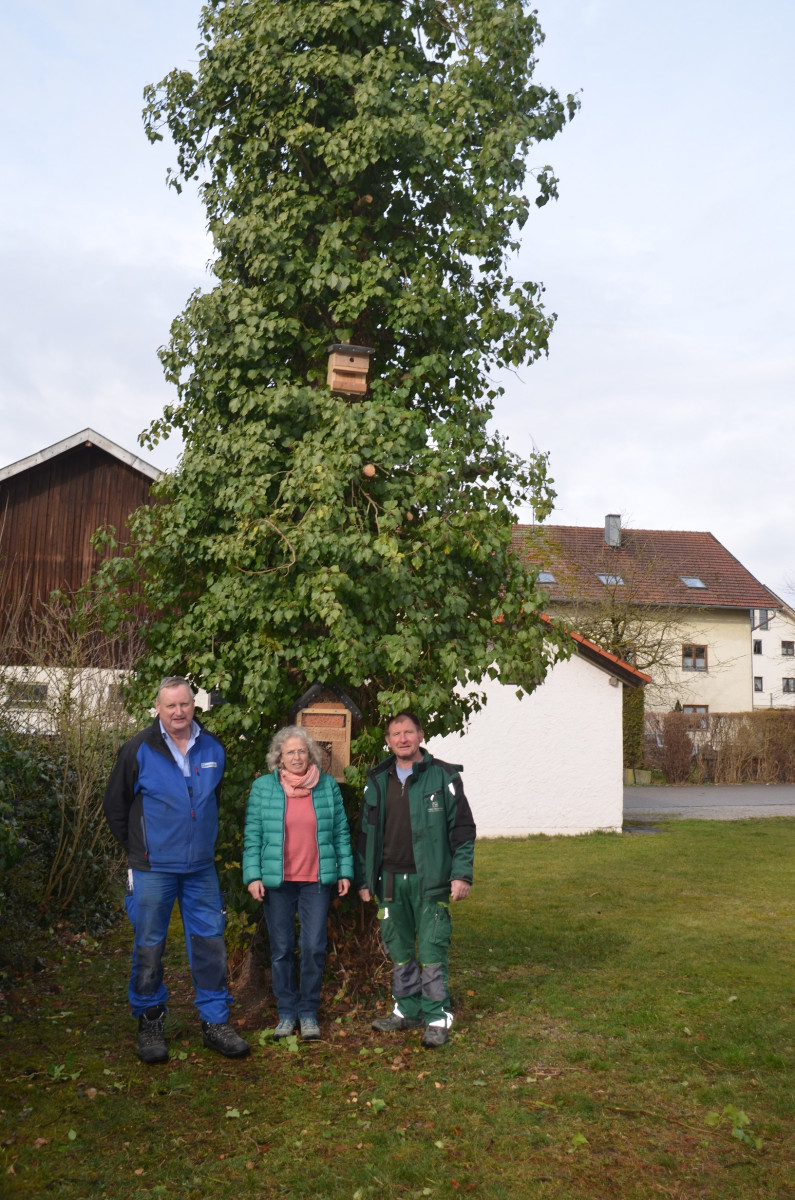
(328,715)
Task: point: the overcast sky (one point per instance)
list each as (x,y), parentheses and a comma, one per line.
(668,392)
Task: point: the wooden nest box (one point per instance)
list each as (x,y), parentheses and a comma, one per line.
(328,715)
(349,368)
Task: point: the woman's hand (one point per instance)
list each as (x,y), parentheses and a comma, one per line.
(257,889)
(343,886)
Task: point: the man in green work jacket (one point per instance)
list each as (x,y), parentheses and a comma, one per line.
(415,849)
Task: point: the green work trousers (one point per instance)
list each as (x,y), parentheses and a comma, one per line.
(417,933)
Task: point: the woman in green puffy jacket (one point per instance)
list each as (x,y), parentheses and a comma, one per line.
(297,846)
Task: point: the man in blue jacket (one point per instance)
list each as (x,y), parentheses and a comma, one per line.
(161,804)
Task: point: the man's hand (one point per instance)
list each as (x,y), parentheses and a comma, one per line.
(459,889)
(257,889)
(364,894)
(342,886)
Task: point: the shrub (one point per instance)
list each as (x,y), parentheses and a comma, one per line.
(723,748)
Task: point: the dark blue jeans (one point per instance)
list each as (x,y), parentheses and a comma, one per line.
(310,901)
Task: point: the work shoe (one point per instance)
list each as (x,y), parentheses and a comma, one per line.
(310,1030)
(152,1036)
(223,1038)
(285,1028)
(393,1023)
(435,1035)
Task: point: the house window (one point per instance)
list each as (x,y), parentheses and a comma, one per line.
(788,648)
(760,618)
(692,581)
(611,580)
(546,577)
(694,658)
(757,645)
(788,685)
(26,695)
(695,708)
(758,686)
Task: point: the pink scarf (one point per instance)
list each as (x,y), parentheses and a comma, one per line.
(298,785)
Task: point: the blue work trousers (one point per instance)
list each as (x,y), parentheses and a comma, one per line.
(310,902)
(149,907)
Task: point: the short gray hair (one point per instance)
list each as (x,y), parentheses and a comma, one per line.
(171,681)
(293,731)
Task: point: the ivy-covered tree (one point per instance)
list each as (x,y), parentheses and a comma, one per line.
(362,164)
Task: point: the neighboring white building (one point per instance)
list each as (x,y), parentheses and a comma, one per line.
(773,657)
(551,762)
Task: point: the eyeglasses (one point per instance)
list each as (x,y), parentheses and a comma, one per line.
(295,753)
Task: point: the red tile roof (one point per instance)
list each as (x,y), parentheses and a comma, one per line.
(651,563)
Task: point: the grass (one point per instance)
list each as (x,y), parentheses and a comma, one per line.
(624,1029)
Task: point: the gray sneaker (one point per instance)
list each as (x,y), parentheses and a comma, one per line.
(152,1035)
(285,1028)
(310,1030)
(222,1037)
(393,1023)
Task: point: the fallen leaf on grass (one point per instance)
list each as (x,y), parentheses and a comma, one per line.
(41,1142)
(91,1093)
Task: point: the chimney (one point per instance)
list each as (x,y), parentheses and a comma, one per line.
(613,529)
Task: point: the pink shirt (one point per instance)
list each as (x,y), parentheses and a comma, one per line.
(301,863)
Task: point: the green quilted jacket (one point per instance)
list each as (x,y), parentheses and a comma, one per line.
(263,844)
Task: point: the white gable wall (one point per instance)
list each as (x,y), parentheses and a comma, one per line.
(550,763)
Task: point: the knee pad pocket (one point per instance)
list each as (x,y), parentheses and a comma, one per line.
(208,962)
(148,968)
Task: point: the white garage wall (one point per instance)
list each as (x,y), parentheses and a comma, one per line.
(550,763)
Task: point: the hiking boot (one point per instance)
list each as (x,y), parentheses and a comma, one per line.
(435,1035)
(393,1023)
(223,1038)
(285,1028)
(152,1036)
(310,1030)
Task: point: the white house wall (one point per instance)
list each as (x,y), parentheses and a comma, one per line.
(550,763)
(726,685)
(84,689)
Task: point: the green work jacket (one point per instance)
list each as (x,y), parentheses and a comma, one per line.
(442,826)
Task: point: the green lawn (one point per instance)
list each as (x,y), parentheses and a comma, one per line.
(624,1029)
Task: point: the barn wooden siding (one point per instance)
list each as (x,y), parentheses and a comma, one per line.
(48,514)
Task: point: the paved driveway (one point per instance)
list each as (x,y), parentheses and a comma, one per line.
(709,803)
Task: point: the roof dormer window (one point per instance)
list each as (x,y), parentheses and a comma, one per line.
(546,577)
(611,580)
(692,581)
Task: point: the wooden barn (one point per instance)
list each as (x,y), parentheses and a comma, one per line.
(51,504)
